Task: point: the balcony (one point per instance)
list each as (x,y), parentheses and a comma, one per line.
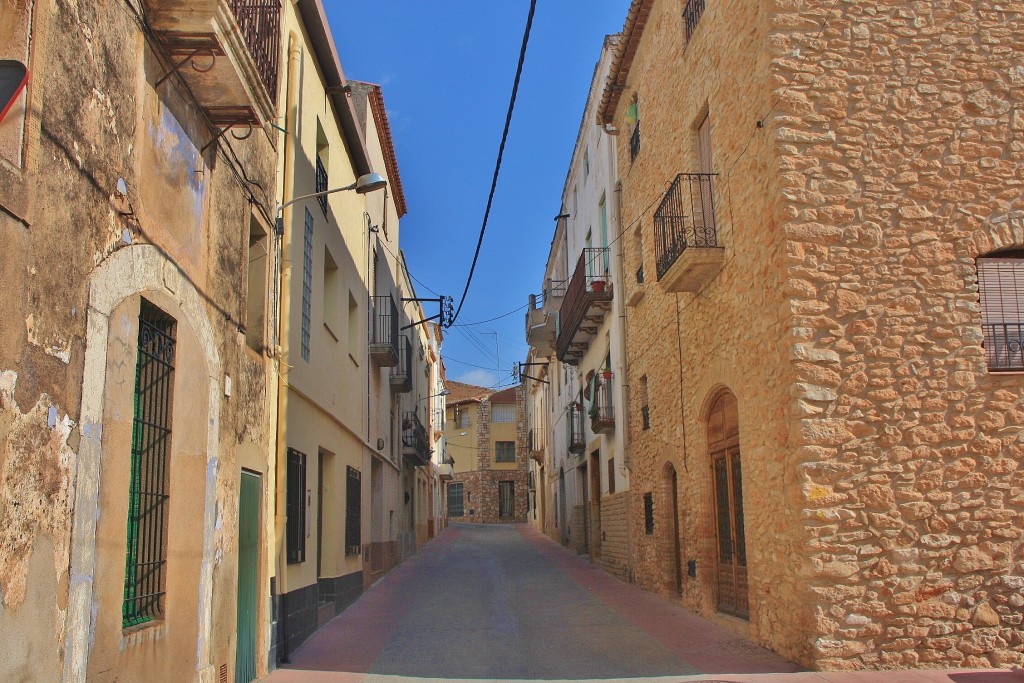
(574,428)
(535,445)
(1004,346)
(686,234)
(401,375)
(446,468)
(588,299)
(602,413)
(226,51)
(415,444)
(542,317)
(384,331)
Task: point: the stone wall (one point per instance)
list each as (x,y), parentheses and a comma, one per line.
(900,145)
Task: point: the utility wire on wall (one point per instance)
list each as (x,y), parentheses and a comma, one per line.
(501,151)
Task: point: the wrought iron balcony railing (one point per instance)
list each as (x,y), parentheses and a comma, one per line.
(692,14)
(401,375)
(321,183)
(685,219)
(602,411)
(574,428)
(587,300)
(415,444)
(260,24)
(384,330)
(1004,346)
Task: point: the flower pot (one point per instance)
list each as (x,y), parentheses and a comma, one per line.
(597,286)
(607,374)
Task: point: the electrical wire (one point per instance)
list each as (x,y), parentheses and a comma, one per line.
(497,317)
(501,151)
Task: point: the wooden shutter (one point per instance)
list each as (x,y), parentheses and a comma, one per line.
(296,507)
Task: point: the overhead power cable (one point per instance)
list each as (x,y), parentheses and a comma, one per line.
(501,151)
(497,317)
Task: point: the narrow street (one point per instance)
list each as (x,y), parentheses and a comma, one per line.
(504,602)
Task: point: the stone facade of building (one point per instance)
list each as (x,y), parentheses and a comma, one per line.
(815,388)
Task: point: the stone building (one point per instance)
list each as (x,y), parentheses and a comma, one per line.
(824,369)
(576,405)
(485,431)
(136,380)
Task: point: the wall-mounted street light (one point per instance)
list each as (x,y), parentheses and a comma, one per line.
(365,183)
(443,392)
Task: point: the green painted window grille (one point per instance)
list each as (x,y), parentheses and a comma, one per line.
(455,500)
(146,557)
(504,451)
(353,511)
(296,507)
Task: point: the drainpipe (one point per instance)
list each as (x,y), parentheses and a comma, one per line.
(288,191)
(627,451)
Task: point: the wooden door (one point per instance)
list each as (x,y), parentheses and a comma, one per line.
(727,486)
(248,577)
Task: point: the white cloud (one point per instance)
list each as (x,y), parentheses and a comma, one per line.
(482,378)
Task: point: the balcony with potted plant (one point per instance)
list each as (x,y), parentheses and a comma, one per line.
(588,299)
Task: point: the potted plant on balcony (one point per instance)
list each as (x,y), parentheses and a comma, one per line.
(598,285)
(606,373)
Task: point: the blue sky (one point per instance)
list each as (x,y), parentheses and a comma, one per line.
(446,68)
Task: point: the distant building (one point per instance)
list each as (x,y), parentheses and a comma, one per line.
(486,435)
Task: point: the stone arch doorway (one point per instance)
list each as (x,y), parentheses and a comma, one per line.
(723,439)
(674,562)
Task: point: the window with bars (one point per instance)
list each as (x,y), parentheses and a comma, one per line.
(353,511)
(506,498)
(307,286)
(1001,289)
(503,412)
(649,513)
(148,486)
(504,451)
(455,500)
(295,507)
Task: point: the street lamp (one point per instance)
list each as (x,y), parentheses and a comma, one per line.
(365,183)
(443,392)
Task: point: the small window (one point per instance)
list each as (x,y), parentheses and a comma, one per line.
(633,117)
(331,295)
(505,451)
(353,511)
(296,507)
(645,411)
(649,513)
(1001,289)
(353,325)
(586,163)
(16,18)
(463,418)
(455,500)
(307,286)
(503,412)
(692,13)
(322,164)
(611,475)
(258,257)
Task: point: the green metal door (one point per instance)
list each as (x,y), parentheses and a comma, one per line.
(248,576)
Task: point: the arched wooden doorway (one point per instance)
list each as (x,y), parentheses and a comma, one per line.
(727,481)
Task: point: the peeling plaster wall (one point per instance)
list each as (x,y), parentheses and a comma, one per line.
(180,231)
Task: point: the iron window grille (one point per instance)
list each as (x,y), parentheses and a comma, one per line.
(307,286)
(649,513)
(506,498)
(146,557)
(502,412)
(505,451)
(691,16)
(1001,290)
(296,507)
(321,183)
(353,511)
(456,507)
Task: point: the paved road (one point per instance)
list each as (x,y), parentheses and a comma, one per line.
(504,602)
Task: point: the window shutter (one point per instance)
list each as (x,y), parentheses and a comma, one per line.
(1001,289)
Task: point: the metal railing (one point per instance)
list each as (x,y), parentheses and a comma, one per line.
(321,183)
(602,412)
(691,15)
(634,142)
(589,282)
(574,428)
(401,375)
(260,24)
(685,218)
(414,436)
(534,441)
(1004,346)
(384,324)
